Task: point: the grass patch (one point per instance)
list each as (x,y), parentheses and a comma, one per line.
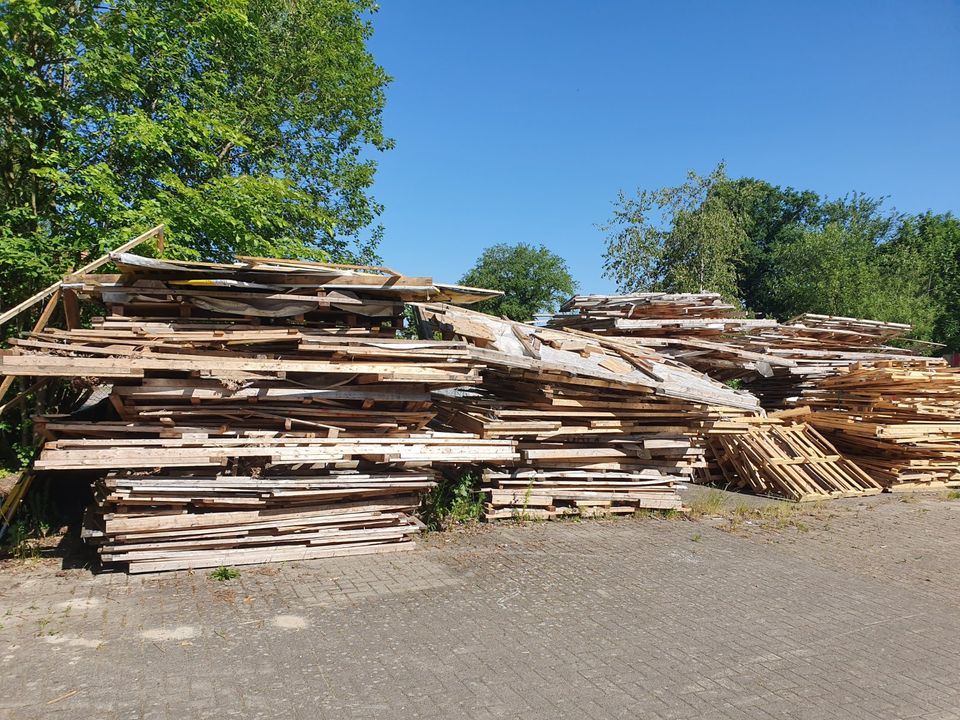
(775,517)
(454,500)
(224,573)
(33,523)
(671,514)
(712,502)
(740,514)
(953,494)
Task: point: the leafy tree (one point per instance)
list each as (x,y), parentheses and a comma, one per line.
(926,250)
(835,260)
(242,124)
(830,272)
(798,252)
(676,239)
(770,216)
(533,279)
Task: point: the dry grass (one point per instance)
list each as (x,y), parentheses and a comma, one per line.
(711,503)
(737,514)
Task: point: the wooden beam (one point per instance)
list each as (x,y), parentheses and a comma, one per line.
(99,262)
(40,325)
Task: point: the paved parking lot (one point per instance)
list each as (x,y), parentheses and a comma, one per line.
(849,610)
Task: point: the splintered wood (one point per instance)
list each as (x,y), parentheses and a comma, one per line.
(782,455)
(256,411)
(900,421)
(904,445)
(776,361)
(601,426)
(655,315)
(816,347)
(266,410)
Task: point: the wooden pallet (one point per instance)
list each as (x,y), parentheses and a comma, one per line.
(784,456)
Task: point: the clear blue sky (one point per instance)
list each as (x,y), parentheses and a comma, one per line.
(520,121)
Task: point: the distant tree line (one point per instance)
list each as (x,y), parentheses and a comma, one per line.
(780,252)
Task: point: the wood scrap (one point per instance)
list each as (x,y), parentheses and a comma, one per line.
(600,425)
(899,420)
(254,411)
(783,456)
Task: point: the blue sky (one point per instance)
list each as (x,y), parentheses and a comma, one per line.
(520,121)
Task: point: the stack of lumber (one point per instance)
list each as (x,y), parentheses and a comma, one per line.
(338,299)
(654,314)
(900,421)
(602,425)
(775,361)
(811,347)
(166,521)
(783,456)
(256,411)
(696,329)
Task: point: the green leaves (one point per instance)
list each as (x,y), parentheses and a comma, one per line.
(240,123)
(781,252)
(675,239)
(533,278)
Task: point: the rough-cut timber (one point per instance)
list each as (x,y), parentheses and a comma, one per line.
(250,412)
(601,425)
(900,421)
(776,361)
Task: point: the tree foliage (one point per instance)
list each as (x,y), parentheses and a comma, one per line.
(675,239)
(780,252)
(242,124)
(533,279)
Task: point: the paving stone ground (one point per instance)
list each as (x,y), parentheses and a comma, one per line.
(847,610)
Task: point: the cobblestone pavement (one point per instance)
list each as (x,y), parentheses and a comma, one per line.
(848,610)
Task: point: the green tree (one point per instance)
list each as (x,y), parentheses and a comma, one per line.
(770,216)
(533,279)
(676,239)
(242,124)
(926,250)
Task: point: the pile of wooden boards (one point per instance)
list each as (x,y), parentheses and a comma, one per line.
(811,347)
(697,329)
(776,361)
(806,361)
(900,421)
(783,456)
(654,315)
(602,426)
(255,411)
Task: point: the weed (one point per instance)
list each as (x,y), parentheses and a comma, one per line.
(31,524)
(454,500)
(953,495)
(696,537)
(223,573)
(713,502)
(671,514)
